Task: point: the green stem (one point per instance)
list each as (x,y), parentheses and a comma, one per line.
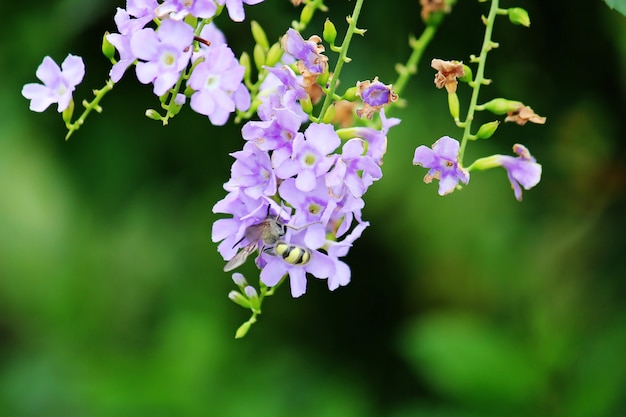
(480,75)
(93,105)
(410,68)
(342,59)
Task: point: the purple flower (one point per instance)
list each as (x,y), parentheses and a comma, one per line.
(353,171)
(166,52)
(281,89)
(308,52)
(218,86)
(122,44)
(58,83)
(252,172)
(137,14)
(443,164)
(275,267)
(375,95)
(312,209)
(178,9)
(377,139)
(275,133)
(310,158)
(522,170)
(235,8)
(335,250)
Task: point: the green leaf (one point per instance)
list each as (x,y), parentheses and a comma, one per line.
(619,5)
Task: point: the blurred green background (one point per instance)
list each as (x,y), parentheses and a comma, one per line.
(112,296)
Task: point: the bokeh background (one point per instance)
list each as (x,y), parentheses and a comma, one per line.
(113,299)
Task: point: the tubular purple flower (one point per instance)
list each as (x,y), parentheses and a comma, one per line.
(166,52)
(522,170)
(252,172)
(443,164)
(58,83)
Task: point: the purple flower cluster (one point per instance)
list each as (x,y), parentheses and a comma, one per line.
(164,54)
(306,179)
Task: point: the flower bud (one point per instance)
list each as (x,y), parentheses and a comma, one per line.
(351,94)
(238,298)
(330,32)
(239,279)
(153,114)
(329,115)
(467,74)
(259,56)
(107,48)
(68,113)
(259,35)
(242,330)
(487,130)
(274,55)
(244,60)
(453,104)
(307,13)
(519,16)
(307,104)
(501,106)
(253,298)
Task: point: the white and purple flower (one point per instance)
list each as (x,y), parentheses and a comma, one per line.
(58,83)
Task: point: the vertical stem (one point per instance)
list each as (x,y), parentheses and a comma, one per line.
(480,75)
(342,58)
(418,45)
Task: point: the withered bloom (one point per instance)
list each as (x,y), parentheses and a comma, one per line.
(523,115)
(430,6)
(297,2)
(344,113)
(447,73)
(375,95)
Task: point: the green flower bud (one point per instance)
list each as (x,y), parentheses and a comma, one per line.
(307,13)
(253,298)
(453,104)
(274,55)
(501,106)
(242,330)
(306,104)
(329,115)
(259,35)
(483,164)
(68,113)
(107,48)
(351,94)
(238,298)
(259,56)
(153,114)
(330,32)
(519,16)
(244,60)
(467,74)
(487,130)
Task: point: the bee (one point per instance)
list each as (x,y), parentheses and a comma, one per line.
(262,236)
(292,254)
